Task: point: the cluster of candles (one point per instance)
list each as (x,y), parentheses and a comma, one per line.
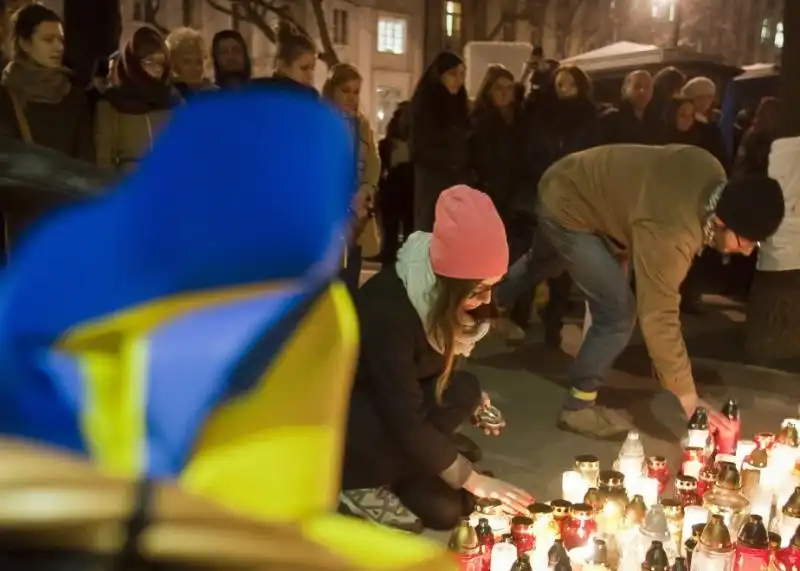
(722,517)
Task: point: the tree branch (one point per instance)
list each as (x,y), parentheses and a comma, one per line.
(328,54)
(219,7)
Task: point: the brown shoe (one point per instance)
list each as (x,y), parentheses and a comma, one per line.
(597,422)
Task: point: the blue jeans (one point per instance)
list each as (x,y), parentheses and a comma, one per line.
(599,275)
(539,263)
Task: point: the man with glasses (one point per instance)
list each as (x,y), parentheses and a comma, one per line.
(652,208)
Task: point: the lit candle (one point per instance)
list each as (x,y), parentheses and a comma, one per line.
(743,450)
(693,461)
(573,487)
(647,488)
(726,458)
(761,502)
(692,515)
(503,556)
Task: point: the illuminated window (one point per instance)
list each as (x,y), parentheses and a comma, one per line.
(766,30)
(392,35)
(663,9)
(452,18)
(341,32)
(779,35)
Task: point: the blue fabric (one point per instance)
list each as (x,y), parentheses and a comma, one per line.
(601,279)
(243,187)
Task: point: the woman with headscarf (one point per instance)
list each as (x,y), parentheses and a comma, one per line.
(38,103)
(440,131)
(131,114)
(702,92)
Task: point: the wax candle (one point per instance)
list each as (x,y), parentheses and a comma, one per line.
(743,450)
(573,487)
(503,556)
(692,516)
(693,461)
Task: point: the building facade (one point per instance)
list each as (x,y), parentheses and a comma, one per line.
(383,38)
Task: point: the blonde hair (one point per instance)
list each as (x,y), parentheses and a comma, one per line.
(493,73)
(338,75)
(181,40)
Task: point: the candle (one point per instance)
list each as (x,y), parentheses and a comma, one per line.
(743,450)
(693,461)
(503,556)
(692,515)
(727,458)
(761,502)
(647,488)
(573,487)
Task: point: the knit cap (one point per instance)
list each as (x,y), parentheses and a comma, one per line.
(469,239)
(751,206)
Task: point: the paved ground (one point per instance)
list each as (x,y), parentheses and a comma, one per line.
(528,383)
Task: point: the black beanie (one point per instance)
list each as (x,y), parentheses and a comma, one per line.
(751,206)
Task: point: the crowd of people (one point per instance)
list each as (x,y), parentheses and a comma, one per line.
(531,181)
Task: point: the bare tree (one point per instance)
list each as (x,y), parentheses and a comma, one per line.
(150,15)
(257,12)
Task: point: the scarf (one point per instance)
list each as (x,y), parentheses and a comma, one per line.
(415,271)
(137,92)
(35,83)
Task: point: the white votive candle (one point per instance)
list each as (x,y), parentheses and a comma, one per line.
(503,556)
(692,515)
(743,450)
(573,487)
(648,488)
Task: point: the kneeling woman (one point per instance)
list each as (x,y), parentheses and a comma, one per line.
(402,463)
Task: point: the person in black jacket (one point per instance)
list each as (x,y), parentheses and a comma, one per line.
(402,465)
(563,121)
(440,129)
(632,122)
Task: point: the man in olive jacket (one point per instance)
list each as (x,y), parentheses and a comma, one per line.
(654,208)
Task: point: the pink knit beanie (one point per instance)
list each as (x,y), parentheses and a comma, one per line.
(469,239)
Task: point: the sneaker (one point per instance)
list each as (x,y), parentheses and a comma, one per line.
(509,330)
(381,506)
(597,422)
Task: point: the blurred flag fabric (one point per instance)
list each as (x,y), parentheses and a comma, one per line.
(186,323)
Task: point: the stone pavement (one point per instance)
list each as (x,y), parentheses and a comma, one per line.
(528,383)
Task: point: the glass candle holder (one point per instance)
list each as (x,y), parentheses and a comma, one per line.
(580,527)
(611,516)
(657,468)
(503,556)
(522,533)
(731,505)
(588,467)
(786,527)
(648,488)
(675,515)
(704,559)
(752,548)
(573,486)
(686,490)
(561,511)
(706,481)
(694,459)
(743,450)
(765,440)
(692,516)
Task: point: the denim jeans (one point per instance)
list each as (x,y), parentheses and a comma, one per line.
(539,263)
(601,277)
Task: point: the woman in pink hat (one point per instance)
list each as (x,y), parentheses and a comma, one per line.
(403,464)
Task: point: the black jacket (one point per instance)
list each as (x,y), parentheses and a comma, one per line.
(395,358)
(620,125)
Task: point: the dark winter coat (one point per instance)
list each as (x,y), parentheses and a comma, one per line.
(395,359)
(620,125)
(553,129)
(496,157)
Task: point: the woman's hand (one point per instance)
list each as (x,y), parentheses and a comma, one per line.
(515,500)
(493,430)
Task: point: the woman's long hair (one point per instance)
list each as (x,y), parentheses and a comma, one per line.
(338,75)
(483,99)
(446,322)
(767,116)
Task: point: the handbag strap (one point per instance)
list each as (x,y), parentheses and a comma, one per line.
(22,120)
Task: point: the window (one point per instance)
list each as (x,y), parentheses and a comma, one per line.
(388,100)
(779,35)
(663,9)
(392,35)
(452,18)
(766,30)
(138,10)
(341,32)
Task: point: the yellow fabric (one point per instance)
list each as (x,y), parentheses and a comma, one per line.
(112,354)
(583,395)
(276,454)
(370,546)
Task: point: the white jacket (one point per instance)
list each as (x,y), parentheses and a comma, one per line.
(782,251)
